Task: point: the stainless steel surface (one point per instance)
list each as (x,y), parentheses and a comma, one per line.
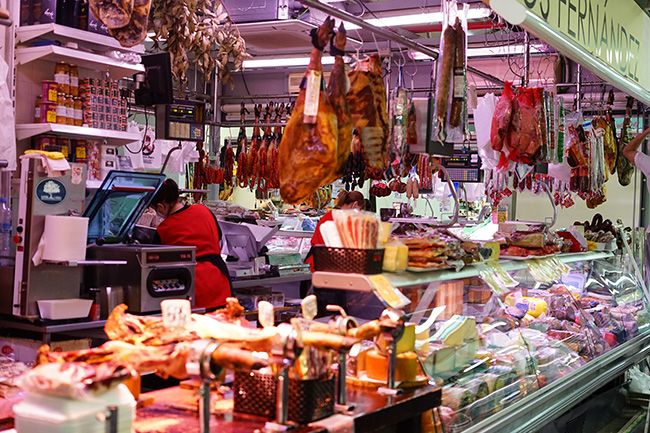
(152,273)
(46,281)
(199,364)
(296,278)
(543,406)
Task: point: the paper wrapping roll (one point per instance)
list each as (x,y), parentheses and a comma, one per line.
(65,238)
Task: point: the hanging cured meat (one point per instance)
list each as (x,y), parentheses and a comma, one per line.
(337,90)
(501,118)
(368,106)
(114,14)
(623,166)
(309,144)
(229,166)
(135,31)
(445,79)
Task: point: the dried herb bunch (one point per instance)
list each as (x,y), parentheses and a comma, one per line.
(197,31)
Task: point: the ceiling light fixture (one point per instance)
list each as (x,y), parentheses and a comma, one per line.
(286,62)
(418,19)
(502,50)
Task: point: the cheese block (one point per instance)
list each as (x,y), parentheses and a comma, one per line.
(406,369)
(456,330)
(395,257)
(440,361)
(533,306)
(405,344)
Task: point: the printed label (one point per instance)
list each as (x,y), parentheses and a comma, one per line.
(312,93)
(50,191)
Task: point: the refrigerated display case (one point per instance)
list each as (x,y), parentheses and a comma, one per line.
(514,344)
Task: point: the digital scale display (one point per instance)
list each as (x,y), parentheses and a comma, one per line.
(464,166)
(182,120)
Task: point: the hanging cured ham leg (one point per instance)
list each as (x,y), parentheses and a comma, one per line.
(337,90)
(308,150)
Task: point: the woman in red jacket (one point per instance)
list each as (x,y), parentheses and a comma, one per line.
(345,200)
(197,226)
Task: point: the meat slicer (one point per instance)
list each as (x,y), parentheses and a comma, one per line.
(152,273)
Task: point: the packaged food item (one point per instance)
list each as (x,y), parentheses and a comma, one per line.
(61,109)
(74,80)
(47,112)
(78,112)
(37,109)
(80,150)
(45,142)
(63,144)
(62,77)
(49,91)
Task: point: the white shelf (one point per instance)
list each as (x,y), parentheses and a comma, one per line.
(68,34)
(114,138)
(361,283)
(98,62)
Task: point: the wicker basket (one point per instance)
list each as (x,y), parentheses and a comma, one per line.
(348,260)
(309,400)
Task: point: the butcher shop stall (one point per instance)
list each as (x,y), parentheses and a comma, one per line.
(324,216)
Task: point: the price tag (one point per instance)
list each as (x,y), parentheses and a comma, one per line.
(386,292)
(176,313)
(265,314)
(309,307)
(312,93)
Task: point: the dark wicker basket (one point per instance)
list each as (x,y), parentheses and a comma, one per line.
(309,400)
(348,260)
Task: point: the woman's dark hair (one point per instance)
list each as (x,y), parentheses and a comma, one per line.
(168,193)
(349,197)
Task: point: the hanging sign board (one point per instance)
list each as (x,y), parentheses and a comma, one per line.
(609,37)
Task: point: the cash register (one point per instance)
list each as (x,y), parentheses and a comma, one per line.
(152,272)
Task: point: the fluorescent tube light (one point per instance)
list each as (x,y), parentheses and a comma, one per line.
(503,50)
(284,62)
(417,19)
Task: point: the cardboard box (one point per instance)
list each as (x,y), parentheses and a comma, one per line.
(25,350)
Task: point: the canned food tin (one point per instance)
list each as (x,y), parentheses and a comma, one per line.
(48,112)
(49,91)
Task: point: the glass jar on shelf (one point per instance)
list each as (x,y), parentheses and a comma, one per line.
(62,77)
(61,109)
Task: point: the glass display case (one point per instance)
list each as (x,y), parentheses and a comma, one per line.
(513,344)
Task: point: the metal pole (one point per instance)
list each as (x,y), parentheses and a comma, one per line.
(215,147)
(524,79)
(390,34)
(204,405)
(342,373)
(579,87)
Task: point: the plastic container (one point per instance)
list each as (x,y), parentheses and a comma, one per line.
(348,260)
(57,309)
(41,413)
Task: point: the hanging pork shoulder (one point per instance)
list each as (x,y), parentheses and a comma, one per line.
(135,31)
(308,150)
(368,106)
(114,14)
(337,89)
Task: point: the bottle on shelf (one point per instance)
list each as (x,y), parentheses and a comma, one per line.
(37,109)
(5,233)
(62,109)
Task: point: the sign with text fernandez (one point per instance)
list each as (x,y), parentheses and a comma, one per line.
(611,38)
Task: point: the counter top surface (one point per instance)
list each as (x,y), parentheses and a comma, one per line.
(170,411)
